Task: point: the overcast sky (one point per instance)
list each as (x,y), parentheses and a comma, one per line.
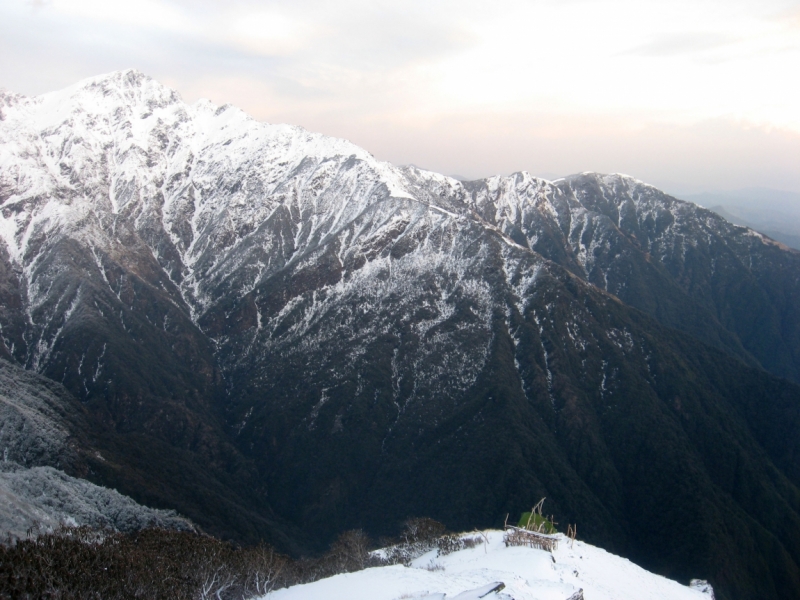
(688,95)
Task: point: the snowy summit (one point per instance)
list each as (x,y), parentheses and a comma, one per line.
(571,572)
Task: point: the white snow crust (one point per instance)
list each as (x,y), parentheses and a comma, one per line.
(528,574)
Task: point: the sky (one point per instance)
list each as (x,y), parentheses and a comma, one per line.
(691,96)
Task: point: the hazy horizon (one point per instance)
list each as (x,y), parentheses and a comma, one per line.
(689,96)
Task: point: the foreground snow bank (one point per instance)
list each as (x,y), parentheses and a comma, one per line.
(528,574)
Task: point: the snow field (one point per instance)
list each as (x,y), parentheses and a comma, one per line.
(528,574)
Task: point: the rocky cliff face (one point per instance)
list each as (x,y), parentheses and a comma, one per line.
(270,326)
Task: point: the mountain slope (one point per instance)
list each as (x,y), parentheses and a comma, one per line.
(42,498)
(280,336)
(689,268)
(47,450)
(772,212)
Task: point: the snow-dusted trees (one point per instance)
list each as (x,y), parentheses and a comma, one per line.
(47,496)
(152,563)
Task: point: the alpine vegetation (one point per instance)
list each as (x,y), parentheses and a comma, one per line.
(43,498)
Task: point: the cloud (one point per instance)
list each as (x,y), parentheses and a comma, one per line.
(682,43)
(265,32)
(147,14)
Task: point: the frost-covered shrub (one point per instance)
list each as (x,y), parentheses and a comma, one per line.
(49,496)
(423,535)
(422,530)
(350,552)
(449,543)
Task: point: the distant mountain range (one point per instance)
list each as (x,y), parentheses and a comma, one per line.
(771,212)
(280,337)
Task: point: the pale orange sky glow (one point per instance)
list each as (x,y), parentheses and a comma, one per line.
(689,96)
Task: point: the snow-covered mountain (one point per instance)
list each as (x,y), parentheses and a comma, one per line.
(283,337)
(684,265)
(210,204)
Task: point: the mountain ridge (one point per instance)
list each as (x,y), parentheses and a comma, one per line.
(283,337)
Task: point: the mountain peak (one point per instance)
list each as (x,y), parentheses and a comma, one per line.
(124,78)
(126,89)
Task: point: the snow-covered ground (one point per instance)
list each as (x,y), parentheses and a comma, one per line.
(528,574)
